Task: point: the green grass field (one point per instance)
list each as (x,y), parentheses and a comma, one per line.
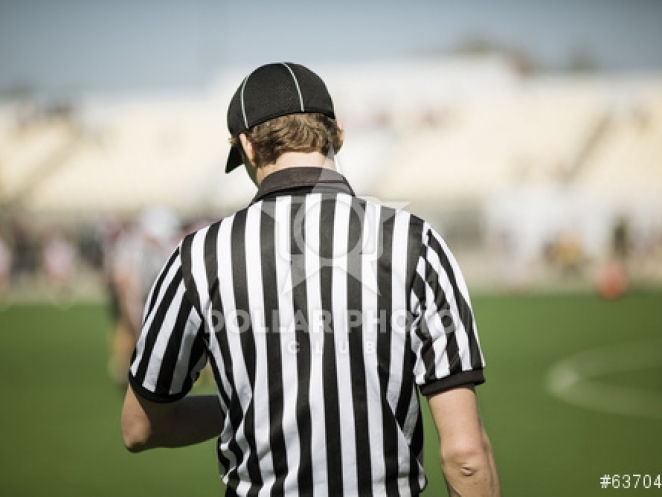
(59,421)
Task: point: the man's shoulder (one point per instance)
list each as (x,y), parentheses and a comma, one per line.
(202,229)
(398,209)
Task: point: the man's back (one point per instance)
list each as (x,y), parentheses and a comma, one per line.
(315,344)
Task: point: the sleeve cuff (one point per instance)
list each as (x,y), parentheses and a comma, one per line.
(474,377)
(151,396)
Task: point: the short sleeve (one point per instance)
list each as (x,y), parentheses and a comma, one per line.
(172,349)
(444,335)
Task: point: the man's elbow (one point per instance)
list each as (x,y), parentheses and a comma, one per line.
(135,434)
(466,460)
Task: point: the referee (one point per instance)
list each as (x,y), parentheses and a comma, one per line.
(322,316)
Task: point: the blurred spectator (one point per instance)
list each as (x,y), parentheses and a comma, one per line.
(136,258)
(613,280)
(5,266)
(25,250)
(621,240)
(90,242)
(566,253)
(59,262)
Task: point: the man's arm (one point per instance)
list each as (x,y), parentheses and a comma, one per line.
(466,454)
(188,421)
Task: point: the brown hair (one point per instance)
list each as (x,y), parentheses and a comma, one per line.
(309,132)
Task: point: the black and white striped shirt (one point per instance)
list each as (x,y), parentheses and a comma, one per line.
(322,315)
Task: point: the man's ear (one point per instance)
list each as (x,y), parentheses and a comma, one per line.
(248,154)
(248,147)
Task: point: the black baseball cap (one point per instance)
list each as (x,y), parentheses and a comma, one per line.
(271,91)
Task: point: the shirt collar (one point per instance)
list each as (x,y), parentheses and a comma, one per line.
(294,180)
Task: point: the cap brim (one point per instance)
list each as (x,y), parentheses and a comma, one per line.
(234,160)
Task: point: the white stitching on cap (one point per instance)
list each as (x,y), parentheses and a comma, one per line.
(243,107)
(296,83)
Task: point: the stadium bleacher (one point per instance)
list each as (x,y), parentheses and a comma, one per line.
(450,140)
(627,163)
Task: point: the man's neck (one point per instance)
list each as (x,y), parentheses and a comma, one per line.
(295,159)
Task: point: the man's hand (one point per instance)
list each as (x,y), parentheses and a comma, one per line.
(191,420)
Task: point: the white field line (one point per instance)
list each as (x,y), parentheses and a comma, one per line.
(576,379)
